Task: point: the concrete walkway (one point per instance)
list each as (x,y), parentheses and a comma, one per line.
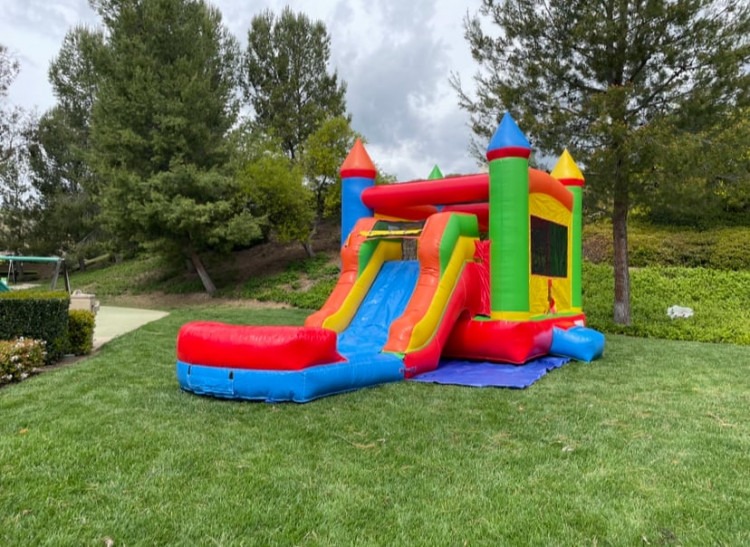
(112,322)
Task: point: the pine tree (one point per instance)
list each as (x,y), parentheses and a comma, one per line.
(165,104)
(286,77)
(15,195)
(9,68)
(66,218)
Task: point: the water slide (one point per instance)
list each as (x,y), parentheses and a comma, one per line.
(386,319)
(408,308)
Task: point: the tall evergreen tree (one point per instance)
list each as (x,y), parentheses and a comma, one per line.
(14,189)
(66,219)
(16,198)
(165,104)
(8,116)
(593,75)
(286,77)
(65,213)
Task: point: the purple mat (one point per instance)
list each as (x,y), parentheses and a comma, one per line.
(468,373)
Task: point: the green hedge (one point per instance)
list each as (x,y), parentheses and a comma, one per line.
(720,248)
(38,315)
(80,332)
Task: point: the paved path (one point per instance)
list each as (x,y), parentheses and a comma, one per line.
(112,322)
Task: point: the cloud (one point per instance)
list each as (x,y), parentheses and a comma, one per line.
(34,30)
(396,57)
(46,18)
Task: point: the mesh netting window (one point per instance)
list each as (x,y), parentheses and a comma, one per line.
(549,248)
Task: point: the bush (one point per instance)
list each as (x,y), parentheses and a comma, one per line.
(721,248)
(36,314)
(19,357)
(80,332)
(731,250)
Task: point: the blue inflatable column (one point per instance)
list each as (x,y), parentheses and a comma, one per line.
(357,174)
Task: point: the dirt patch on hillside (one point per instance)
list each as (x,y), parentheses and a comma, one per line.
(273,257)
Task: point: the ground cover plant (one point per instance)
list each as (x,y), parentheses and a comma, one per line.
(304,284)
(720,300)
(648,446)
(136,275)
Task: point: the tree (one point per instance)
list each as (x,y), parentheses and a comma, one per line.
(65,213)
(274,187)
(14,189)
(165,104)
(286,78)
(594,76)
(8,70)
(325,150)
(8,116)
(66,219)
(698,178)
(16,198)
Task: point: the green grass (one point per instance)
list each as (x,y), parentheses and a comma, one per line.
(649,446)
(126,277)
(304,283)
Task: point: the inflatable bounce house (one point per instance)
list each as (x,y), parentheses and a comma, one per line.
(509,297)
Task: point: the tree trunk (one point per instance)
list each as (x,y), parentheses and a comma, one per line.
(202,273)
(307,244)
(620,244)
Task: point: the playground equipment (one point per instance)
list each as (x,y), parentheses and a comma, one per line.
(15,263)
(510,298)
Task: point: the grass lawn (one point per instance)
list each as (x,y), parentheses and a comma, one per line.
(650,445)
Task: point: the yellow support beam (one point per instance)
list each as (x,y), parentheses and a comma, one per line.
(391,233)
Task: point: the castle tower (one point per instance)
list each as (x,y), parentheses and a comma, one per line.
(435,174)
(357,173)
(567,172)
(508,156)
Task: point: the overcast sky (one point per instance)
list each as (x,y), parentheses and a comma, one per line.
(395,55)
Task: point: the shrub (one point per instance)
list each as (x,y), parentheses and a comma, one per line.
(731,250)
(19,357)
(80,332)
(41,315)
(721,249)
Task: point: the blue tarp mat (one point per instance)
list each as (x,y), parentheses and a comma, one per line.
(473,374)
